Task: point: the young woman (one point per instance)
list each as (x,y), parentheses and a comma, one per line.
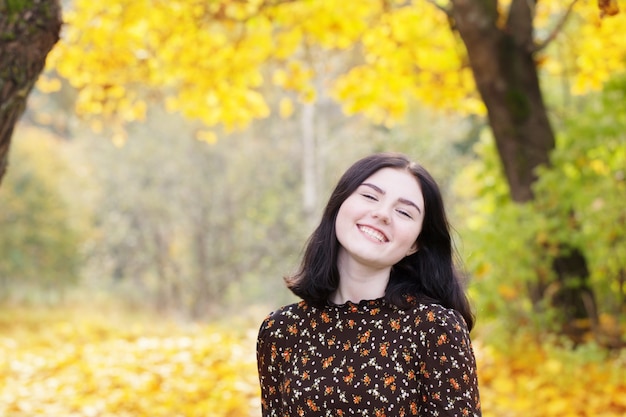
(383,325)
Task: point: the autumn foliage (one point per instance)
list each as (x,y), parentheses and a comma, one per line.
(66,363)
(538,378)
(215,60)
(61,365)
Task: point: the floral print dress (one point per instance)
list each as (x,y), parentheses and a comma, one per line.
(366,359)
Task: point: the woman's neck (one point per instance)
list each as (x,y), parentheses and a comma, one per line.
(358,282)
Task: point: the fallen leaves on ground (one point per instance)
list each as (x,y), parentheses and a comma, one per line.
(77,366)
(543,379)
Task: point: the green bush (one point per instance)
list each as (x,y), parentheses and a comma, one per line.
(579,200)
(39,241)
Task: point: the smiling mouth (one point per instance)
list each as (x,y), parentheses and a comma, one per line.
(375,234)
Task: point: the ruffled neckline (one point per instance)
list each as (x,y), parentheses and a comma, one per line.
(357,306)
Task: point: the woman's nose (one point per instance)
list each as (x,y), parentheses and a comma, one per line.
(381,214)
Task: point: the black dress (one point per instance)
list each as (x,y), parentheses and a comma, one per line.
(366,359)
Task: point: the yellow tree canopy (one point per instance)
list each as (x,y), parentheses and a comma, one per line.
(212,59)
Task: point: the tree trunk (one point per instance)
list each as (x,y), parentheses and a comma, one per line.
(28,31)
(506,76)
(505,71)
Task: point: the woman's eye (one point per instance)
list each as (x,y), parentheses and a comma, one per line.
(369,196)
(405,213)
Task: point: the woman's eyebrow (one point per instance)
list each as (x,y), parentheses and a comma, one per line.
(401,200)
(375,187)
(410,203)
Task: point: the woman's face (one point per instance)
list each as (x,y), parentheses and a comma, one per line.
(379,223)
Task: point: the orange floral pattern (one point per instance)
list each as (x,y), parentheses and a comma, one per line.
(366,359)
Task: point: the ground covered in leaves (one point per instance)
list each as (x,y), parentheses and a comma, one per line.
(68,363)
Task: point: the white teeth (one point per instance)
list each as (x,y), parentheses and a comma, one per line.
(373,233)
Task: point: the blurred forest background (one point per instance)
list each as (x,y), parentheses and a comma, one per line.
(174,157)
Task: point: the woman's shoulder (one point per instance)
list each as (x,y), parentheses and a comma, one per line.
(425,315)
(290,311)
(277,322)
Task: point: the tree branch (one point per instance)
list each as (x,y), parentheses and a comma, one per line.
(559,26)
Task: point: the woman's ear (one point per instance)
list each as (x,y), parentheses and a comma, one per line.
(414,248)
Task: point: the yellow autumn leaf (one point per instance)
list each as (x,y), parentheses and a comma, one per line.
(307,94)
(285,107)
(287,43)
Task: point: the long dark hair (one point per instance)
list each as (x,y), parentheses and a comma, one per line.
(428,275)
